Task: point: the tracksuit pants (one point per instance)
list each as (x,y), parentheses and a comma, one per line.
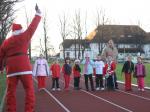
(76,82)
(140,82)
(41,81)
(55,81)
(127,81)
(27,82)
(86,77)
(67,81)
(99,80)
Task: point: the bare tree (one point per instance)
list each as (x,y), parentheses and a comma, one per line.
(77,26)
(63,30)
(6,17)
(101,20)
(27,24)
(45,28)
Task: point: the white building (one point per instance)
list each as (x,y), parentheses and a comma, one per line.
(129,39)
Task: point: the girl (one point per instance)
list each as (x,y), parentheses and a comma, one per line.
(99,65)
(41,70)
(88,72)
(128,69)
(76,73)
(55,68)
(140,73)
(67,70)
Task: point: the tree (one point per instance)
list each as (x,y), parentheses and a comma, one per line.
(77,26)
(63,30)
(6,17)
(101,20)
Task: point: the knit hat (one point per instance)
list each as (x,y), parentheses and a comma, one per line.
(87,55)
(16,29)
(77,61)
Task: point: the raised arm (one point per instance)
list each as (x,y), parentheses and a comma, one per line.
(33,25)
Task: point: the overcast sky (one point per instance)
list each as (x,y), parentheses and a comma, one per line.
(123,12)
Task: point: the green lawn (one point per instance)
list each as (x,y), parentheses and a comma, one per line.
(121,77)
(2,86)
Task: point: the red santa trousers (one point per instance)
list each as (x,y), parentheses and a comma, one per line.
(11,93)
(67,81)
(127,81)
(140,82)
(41,81)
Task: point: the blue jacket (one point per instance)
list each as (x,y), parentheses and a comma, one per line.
(89,67)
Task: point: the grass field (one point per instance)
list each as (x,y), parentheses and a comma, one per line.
(2,86)
(121,76)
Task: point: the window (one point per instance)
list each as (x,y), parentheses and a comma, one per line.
(68,54)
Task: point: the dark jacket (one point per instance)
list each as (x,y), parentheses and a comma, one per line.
(128,67)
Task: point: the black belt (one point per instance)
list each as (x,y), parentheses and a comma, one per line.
(17,54)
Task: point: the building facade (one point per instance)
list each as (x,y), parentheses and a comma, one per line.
(129,39)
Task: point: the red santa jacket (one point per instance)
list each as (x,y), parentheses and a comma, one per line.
(14,50)
(55,68)
(110,69)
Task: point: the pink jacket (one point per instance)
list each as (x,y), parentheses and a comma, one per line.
(140,70)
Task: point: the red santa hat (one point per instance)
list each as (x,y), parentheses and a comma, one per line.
(16,29)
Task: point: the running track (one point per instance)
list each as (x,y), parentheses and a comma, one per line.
(83,101)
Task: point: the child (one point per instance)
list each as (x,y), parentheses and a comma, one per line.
(88,72)
(140,73)
(55,68)
(77,75)
(128,69)
(110,68)
(67,70)
(99,65)
(41,70)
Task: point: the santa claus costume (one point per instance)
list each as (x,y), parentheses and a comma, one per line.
(109,71)
(18,67)
(41,70)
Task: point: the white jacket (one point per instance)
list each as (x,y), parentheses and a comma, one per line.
(41,68)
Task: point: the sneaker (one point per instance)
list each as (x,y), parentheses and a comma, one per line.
(58,89)
(102,88)
(142,89)
(97,88)
(53,89)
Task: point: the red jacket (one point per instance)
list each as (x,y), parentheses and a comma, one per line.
(110,70)
(14,50)
(55,68)
(76,73)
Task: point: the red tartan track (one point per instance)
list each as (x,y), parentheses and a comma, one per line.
(83,101)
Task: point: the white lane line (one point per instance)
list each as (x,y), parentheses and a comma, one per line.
(138,96)
(66,109)
(141,97)
(125,109)
(135,85)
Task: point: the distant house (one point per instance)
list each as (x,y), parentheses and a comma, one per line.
(127,38)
